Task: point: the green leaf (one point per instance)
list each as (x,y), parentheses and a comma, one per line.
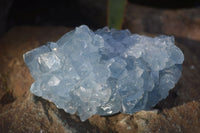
(116,10)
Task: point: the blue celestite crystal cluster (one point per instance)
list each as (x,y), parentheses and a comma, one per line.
(105,72)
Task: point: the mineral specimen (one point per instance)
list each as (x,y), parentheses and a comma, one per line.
(104,72)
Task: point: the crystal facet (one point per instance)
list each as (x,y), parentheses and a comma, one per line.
(105,72)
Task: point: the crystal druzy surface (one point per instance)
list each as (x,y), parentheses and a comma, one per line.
(104,72)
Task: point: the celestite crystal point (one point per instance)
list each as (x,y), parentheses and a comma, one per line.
(105,72)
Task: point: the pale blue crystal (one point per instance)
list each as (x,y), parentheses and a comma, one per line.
(105,72)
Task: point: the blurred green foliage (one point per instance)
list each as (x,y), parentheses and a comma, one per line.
(115,15)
